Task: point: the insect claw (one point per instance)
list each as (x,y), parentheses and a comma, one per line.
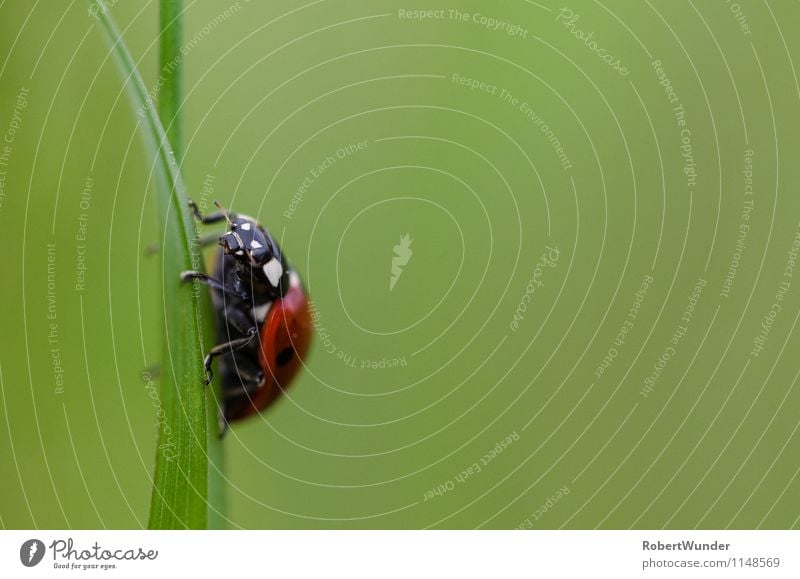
(207,367)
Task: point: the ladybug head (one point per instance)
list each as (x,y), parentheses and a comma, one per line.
(246,242)
(255,251)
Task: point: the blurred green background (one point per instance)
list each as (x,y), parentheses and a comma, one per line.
(410,392)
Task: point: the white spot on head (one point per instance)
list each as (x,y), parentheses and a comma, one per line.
(240,252)
(255,245)
(273,270)
(246,226)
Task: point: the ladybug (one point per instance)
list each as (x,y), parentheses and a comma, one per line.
(262,312)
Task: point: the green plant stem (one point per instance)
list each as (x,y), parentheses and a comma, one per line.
(188,432)
(180,485)
(195,495)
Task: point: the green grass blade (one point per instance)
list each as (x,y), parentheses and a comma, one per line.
(187,426)
(171,71)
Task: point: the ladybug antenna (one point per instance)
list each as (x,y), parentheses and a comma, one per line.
(224,212)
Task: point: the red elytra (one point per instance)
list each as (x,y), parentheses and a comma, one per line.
(285,337)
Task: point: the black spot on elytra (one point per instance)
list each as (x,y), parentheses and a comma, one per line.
(284,356)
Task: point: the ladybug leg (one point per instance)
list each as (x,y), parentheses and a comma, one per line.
(208,239)
(220,349)
(237,323)
(246,379)
(240,329)
(249,385)
(210,282)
